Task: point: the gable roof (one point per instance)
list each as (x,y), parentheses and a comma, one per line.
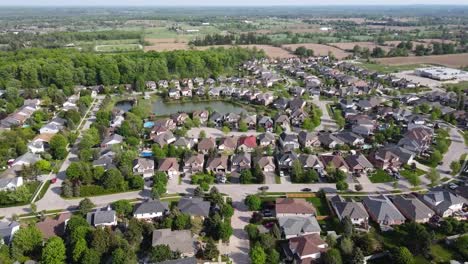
(412,207)
(442,200)
(293,206)
(382,209)
(151,206)
(296,225)
(53,226)
(307,245)
(194,206)
(354,210)
(177,240)
(248,141)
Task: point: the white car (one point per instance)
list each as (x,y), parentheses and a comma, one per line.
(453,186)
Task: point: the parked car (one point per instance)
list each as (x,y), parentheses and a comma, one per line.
(264,188)
(267,213)
(452,186)
(306,190)
(54,180)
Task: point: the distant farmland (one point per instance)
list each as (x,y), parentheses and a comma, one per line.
(450,60)
(319,49)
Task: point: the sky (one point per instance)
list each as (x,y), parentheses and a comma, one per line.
(222,2)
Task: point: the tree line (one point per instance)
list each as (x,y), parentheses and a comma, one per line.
(34,68)
(60,39)
(241,39)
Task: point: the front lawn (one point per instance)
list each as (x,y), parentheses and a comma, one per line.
(407,173)
(380,176)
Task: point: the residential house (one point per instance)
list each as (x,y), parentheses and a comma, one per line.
(102,217)
(10,184)
(294,226)
(298,117)
(114,139)
(170,166)
(218,164)
(8,230)
(350,138)
(247,143)
(216,118)
(240,162)
(194,163)
(310,161)
(174,93)
(385,158)
(306,249)
(308,139)
(417,140)
(179,118)
(329,140)
(288,141)
(267,139)
(334,160)
(383,211)
(181,241)
(413,208)
(282,121)
(228,144)
(296,104)
(358,163)
(206,144)
(26,159)
(355,211)
(444,203)
(40,143)
(150,209)
(55,226)
(266,163)
(267,123)
(144,167)
(286,159)
(281,103)
(194,206)
(163,139)
(287,207)
(202,115)
(183,142)
(250,121)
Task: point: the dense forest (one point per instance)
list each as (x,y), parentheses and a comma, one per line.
(33,68)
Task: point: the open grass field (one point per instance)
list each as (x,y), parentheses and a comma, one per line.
(118,47)
(450,60)
(272,52)
(379,67)
(319,49)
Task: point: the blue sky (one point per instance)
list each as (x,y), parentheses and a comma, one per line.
(221,2)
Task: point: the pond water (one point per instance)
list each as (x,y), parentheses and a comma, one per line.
(124,105)
(161,108)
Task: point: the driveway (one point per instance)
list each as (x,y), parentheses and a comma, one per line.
(269,177)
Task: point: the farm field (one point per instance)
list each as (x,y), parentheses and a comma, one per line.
(118,47)
(319,49)
(450,60)
(364,44)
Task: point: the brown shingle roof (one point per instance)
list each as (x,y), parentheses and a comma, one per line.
(53,226)
(307,245)
(293,206)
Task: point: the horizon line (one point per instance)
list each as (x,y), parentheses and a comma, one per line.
(273,5)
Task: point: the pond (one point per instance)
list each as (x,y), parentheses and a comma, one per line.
(161,108)
(124,105)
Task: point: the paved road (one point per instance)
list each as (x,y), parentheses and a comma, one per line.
(456,149)
(327,123)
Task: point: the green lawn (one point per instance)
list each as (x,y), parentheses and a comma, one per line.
(441,254)
(380,176)
(408,172)
(320,204)
(43,191)
(389,68)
